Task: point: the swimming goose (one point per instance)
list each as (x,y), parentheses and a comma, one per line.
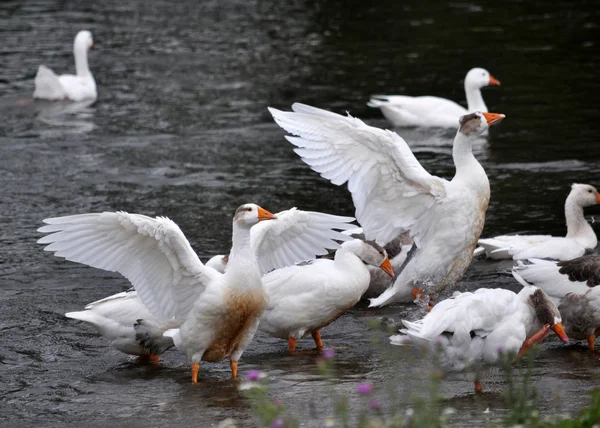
(393,193)
(78,87)
(428,111)
(218,314)
(309,296)
(575,286)
(580,235)
(472,329)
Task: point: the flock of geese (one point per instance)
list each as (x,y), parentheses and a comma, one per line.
(292,273)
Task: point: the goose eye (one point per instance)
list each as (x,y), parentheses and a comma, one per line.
(248,209)
(590,191)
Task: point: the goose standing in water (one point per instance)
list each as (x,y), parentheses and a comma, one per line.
(580,235)
(311,295)
(575,286)
(78,87)
(218,314)
(475,329)
(393,193)
(428,111)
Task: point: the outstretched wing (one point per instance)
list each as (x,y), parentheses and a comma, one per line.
(389,187)
(295,236)
(152,253)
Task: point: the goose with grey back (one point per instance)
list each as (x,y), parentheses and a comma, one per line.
(574,285)
(429,111)
(393,193)
(78,87)
(311,295)
(218,314)
(471,330)
(580,235)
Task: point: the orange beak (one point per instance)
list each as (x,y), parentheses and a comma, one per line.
(416,293)
(598,198)
(493,81)
(560,332)
(93,47)
(386,266)
(492,118)
(263,214)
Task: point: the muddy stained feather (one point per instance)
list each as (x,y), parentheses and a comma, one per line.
(542,306)
(241,310)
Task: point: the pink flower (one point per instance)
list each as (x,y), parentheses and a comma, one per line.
(253,375)
(364,388)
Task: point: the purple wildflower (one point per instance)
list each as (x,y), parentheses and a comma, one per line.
(277,423)
(253,375)
(364,388)
(328,353)
(375,404)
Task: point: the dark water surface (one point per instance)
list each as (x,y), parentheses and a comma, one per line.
(181,129)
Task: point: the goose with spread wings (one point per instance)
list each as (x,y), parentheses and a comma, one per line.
(393,193)
(218,314)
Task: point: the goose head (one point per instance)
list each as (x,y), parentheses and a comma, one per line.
(474,124)
(249,214)
(583,195)
(545,310)
(478,77)
(83,41)
(370,253)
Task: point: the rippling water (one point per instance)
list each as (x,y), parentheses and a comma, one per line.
(181,129)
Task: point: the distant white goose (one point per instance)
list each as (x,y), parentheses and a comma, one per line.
(472,329)
(580,235)
(428,111)
(575,286)
(218,314)
(309,296)
(393,193)
(78,87)
(218,262)
(116,316)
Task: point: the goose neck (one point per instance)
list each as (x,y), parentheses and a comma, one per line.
(577,227)
(81,61)
(474,99)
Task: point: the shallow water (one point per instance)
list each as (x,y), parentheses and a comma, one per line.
(181,129)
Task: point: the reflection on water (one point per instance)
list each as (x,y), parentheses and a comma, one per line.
(70,117)
(181,129)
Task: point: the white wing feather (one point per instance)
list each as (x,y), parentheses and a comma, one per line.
(152,253)
(47,85)
(295,236)
(389,187)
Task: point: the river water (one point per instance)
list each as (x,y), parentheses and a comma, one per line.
(180,129)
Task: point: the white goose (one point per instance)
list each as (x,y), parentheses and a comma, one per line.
(218,313)
(397,250)
(476,328)
(575,286)
(78,87)
(393,193)
(116,318)
(580,235)
(428,111)
(311,295)
(130,328)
